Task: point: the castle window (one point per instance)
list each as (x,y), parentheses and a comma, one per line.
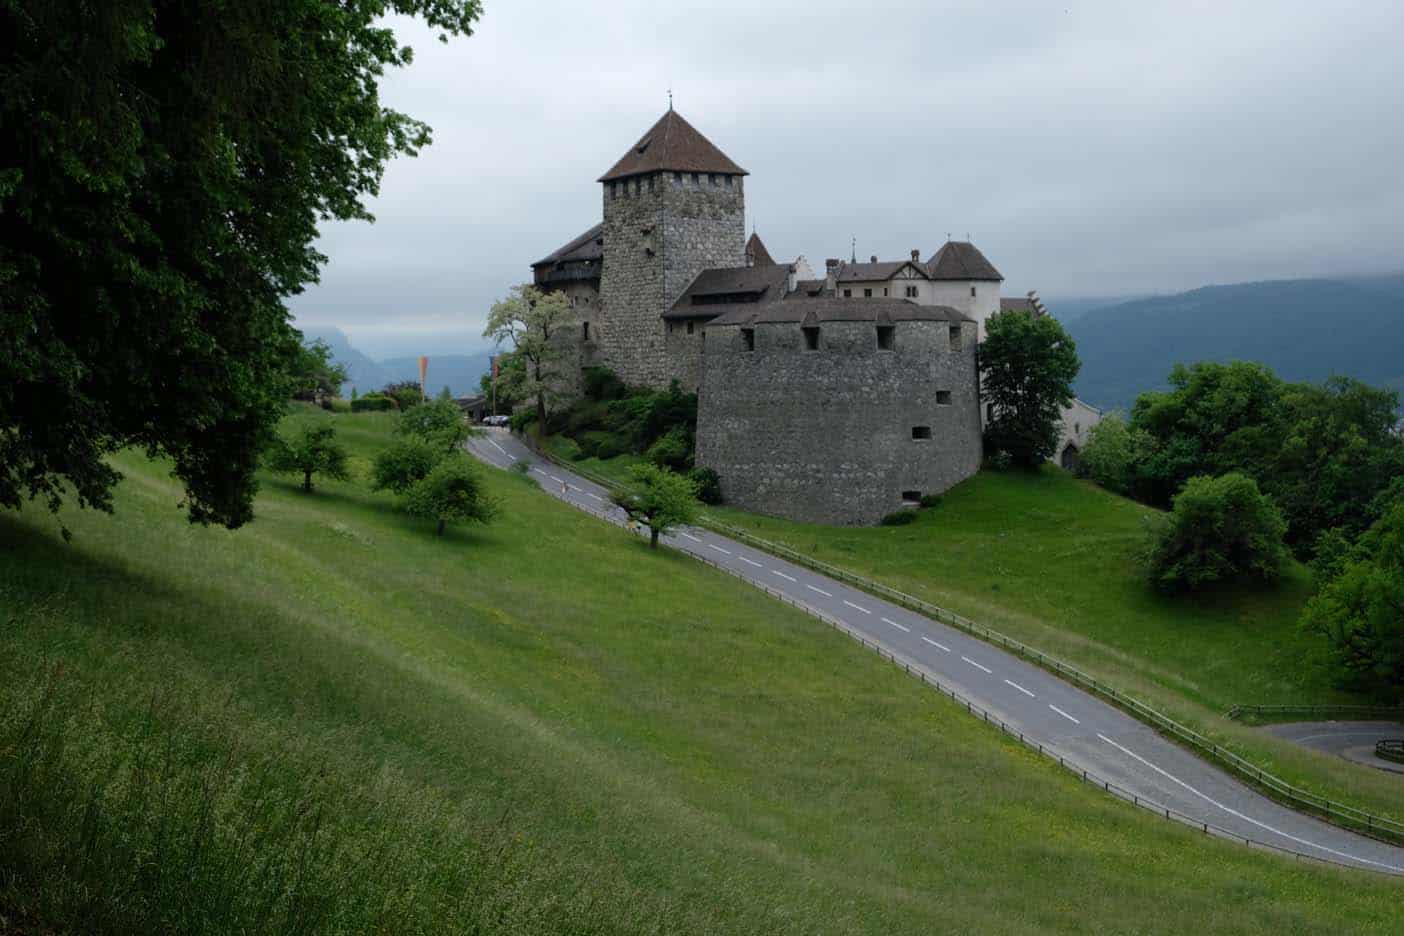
(650,183)
(887,337)
(972,292)
(689,327)
(848,294)
(696,180)
(677,180)
(748,339)
(955,338)
(638,185)
(867,294)
(911,497)
(728,180)
(811,338)
(921,433)
(943,398)
(712,178)
(911,292)
(884,290)
(584,331)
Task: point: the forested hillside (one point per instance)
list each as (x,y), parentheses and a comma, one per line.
(1302,329)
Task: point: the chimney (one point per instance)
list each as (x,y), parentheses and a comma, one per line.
(831,268)
(873,259)
(792,281)
(916,256)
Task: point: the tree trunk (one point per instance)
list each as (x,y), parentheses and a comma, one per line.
(653,537)
(440,531)
(307,481)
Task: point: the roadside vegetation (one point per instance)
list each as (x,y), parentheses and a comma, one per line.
(332,722)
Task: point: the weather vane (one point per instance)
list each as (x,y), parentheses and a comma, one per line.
(670,99)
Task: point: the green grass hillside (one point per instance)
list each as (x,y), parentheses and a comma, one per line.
(332,721)
(1051,560)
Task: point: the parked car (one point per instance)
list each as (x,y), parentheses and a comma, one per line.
(500,420)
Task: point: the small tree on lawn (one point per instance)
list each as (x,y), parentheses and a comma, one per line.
(657,498)
(314,450)
(315,373)
(530,319)
(1219,530)
(439,423)
(452,492)
(404,465)
(1027,366)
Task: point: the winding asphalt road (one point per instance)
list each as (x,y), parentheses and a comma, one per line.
(1081,729)
(1353,740)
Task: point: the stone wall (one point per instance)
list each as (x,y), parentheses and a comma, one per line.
(826,436)
(685,352)
(660,231)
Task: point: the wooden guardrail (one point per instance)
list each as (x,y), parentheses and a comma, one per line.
(1313,712)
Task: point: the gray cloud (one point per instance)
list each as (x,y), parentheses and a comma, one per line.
(1088,148)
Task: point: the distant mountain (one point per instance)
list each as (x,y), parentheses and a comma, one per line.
(459,372)
(1303,329)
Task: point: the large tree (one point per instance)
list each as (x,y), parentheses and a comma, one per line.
(163,169)
(657,498)
(1027,366)
(531,321)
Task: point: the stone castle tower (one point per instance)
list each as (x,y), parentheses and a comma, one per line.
(673,206)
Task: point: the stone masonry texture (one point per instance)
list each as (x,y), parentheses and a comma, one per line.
(826,436)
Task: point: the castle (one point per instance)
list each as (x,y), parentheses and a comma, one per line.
(832,400)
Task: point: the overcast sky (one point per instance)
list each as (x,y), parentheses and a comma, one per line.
(1088,148)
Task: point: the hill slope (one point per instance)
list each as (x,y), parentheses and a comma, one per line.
(1303,329)
(538,726)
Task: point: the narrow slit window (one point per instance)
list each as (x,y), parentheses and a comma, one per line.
(921,432)
(955,334)
(884,290)
(911,497)
(585,331)
(689,327)
(748,339)
(943,398)
(972,292)
(886,337)
(811,338)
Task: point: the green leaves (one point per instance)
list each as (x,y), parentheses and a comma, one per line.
(1027,366)
(313,451)
(451,493)
(1221,530)
(657,498)
(166,169)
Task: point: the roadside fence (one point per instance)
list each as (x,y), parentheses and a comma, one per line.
(1319,712)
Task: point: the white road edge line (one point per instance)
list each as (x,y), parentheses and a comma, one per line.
(977,665)
(935,644)
(784,576)
(901,627)
(556,479)
(718,549)
(1021,689)
(856,607)
(538,471)
(752,562)
(1236,813)
(1064,714)
(493,443)
(819,590)
(690,536)
(595,496)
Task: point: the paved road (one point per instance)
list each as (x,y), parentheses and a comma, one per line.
(1082,729)
(1353,740)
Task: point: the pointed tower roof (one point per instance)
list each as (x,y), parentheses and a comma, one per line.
(756,254)
(961,260)
(672,145)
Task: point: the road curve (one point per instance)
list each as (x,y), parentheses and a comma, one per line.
(1353,740)
(1072,724)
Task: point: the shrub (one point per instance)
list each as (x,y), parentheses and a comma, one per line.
(522,419)
(673,450)
(601,383)
(1110,456)
(312,451)
(439,423)
(567,447)
(406,394)
(373,402)
(900,517)
(1219,530)
(403,465)
(451,493)
(708,484)
(602,445)
(931,500)
(521,467)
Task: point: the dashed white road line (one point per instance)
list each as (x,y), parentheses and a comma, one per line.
(595,496)
(787,578)
(935,644)
(815,588)
(856,607)
(1064,714)
(1021,689)
(493,443)
(901,627)
(556,479)
(1236,813)
(977,665)
(539,471)
(751,562)
(718,548)
(690,536)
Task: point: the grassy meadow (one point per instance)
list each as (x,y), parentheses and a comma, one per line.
(332,721)
(1051,560)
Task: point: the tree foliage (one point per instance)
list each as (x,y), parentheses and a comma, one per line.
(404,464)
(452,492)
(1326,454)
(315,373)
(312,451)
(531,321)
(407,394)
(165,168)
(1111,454)
(511,379)
(1221,529)
(439,423)
(1027,366)
(1359,605)
(657,498)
